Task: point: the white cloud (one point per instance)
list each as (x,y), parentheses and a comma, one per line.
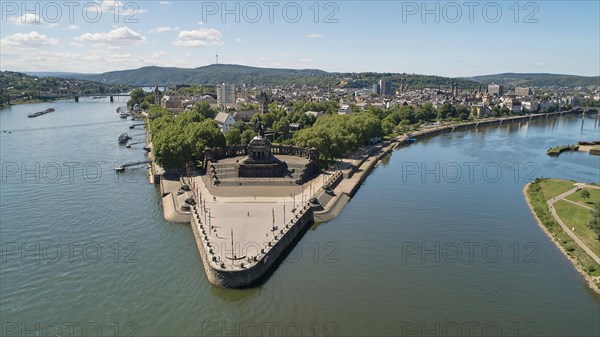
(73,27)
(541,64)
(166,3)
(53,25)
(27,19)
(200,22)
(198,38)
(158,55)
(306,60)
(315,36)
(164,29)
(78,45)
(90,60)
(238,40)
(28,40)
(122,35)
(262,59)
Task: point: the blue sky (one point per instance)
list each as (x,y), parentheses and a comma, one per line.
(347,36)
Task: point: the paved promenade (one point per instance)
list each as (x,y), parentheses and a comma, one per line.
(250,216)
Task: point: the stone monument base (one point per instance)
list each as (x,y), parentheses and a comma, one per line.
(252,170)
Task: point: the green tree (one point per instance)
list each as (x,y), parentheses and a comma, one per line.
(201,135)
(233,136)
(282,125)
(446,111)
(426,112)
(189,117)
(247,136)
(594,223)
(462,112)
(240,125)
(204,109)
(170,147)
(585,194)
(496,111)
(136,97)
(388,124)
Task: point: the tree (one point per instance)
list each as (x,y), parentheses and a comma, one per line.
(189,117)
(233,136)
(201,135)
(170,147)
(594,223)
(282,125)
(447,110)
(247,136)
(204,109)
(462,112)
(426,112)
(388,124)
(240,125)
(585,194)
(137,96)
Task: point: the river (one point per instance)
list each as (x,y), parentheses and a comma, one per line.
(438,240)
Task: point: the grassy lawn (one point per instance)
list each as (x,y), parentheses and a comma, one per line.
(539,192)
(578,217)
(554,187)
(594,197)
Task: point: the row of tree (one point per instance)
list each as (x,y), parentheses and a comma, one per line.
(337,135)
(177,140)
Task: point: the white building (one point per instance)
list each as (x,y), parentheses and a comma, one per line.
(513,105)
(225,94)
(314,113)
(225,121)
(530,106)
(345,109)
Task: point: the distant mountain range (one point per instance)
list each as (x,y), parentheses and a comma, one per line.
(212,74)
(539,80)
(238,74)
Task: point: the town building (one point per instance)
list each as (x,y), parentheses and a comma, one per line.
(225,94)
(522,91)
(225,121)
(171,102)
(345,109)
(495,89)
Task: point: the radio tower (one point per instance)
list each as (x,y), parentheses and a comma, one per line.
(217,57)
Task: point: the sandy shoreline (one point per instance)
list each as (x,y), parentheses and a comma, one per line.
(591,281)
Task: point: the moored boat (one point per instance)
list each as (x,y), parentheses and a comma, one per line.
(123,138)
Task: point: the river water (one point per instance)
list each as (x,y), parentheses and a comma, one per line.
(439,240)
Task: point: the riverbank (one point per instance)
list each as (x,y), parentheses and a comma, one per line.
(580,260)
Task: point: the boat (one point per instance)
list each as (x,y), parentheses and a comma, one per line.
(39,113)
(123,138)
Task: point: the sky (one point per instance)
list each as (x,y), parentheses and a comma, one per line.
(444,38)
